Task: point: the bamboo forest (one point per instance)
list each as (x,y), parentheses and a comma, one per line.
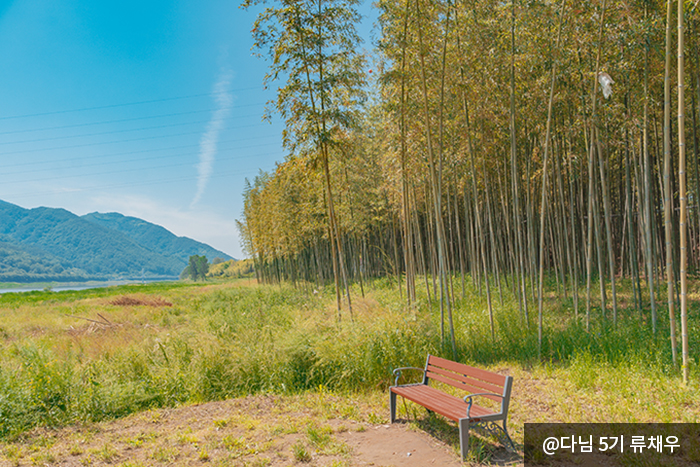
(532,150)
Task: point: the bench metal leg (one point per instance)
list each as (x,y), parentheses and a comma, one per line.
(464,437)
(392,404)
(505,430)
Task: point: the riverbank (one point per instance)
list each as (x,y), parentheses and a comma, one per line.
(17,287)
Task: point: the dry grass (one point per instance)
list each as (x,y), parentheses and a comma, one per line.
(130,300)
(251,431)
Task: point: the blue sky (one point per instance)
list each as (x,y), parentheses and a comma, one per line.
(148,108)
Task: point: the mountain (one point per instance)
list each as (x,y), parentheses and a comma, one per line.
(55,244)
(158,239)
(28,264)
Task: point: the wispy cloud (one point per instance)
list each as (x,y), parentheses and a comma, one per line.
(207,145)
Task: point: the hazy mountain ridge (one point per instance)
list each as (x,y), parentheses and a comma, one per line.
(55,244)
(158,238)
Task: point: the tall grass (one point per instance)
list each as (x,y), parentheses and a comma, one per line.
(227,340)
(55,369)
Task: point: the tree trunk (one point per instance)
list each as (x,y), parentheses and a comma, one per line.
(608,224)
(543,204)
(409,257)
(683,195)
(668,197)
(648,193)
(517,222)
(434,181)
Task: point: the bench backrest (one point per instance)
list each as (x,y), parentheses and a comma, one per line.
(470,379)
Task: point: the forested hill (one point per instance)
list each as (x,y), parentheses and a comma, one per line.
(158,239)
(47,244)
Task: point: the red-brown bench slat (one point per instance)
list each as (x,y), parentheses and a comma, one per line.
(465,387)
(488,376)
(463,382)
(467,377)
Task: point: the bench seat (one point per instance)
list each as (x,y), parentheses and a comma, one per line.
(447,405)
(474,381)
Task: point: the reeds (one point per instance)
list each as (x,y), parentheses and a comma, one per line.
(227,340)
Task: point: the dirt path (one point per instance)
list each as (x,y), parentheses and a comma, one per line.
(397,445)
(307,430)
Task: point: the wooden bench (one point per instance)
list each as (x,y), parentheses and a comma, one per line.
(461,410)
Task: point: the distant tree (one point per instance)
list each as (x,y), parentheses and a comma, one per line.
(217,260)
(196,269)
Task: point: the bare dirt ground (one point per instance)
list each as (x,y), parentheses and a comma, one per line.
(307,430)
(398,445)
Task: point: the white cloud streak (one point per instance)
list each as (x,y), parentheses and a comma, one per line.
(208,142)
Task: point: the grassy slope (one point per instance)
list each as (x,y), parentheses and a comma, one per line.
(74,357)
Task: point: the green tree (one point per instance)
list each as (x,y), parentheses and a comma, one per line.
(314,44)
(197,268)
(441,181)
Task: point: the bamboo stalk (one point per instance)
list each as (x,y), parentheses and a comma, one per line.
(543,205)
(683,194)
(668,204)
(648,192)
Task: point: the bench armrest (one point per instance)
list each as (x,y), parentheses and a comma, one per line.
(397,372)
(469,402)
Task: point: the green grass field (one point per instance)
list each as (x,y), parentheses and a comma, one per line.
(79,357)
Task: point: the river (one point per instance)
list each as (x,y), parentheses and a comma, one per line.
(60,287)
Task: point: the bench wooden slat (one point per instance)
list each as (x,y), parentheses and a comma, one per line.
(458,409)
(461,368)
(464,386)
(460,381)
